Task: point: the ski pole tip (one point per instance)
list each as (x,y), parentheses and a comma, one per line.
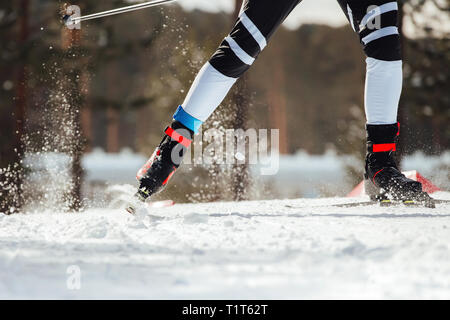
(131,209)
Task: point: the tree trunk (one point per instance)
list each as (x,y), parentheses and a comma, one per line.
(240,174)
(71,40)
(277,105)
(86,116)
(19,112)
(112,130)
(86,126)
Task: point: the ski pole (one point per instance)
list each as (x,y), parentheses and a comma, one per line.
(68,20)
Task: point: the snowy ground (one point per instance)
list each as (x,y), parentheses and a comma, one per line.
(293,249)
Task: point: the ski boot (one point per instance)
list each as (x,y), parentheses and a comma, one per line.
(383,181)
(156,173)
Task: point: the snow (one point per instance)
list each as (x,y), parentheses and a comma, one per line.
(293,249)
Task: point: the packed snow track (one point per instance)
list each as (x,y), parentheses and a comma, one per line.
(287,249)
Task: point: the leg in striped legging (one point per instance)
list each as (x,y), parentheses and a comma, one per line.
(257,22)
(376,22)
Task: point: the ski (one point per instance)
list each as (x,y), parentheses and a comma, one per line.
(384,203)
(419,199)
(393,203)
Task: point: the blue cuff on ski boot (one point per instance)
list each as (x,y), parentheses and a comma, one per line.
(187,120)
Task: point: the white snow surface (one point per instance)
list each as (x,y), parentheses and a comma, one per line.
(285,249)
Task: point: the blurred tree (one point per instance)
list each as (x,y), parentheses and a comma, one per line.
(71,42)
(425,103)
(277,101)
(14,32)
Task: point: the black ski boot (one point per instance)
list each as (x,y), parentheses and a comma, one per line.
(383,180)
(161,166)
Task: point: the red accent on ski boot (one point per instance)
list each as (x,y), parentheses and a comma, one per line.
(166,159)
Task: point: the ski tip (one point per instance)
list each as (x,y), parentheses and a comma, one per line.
(130,209)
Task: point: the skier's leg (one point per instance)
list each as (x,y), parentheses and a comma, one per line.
(376,22)
(257,22)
